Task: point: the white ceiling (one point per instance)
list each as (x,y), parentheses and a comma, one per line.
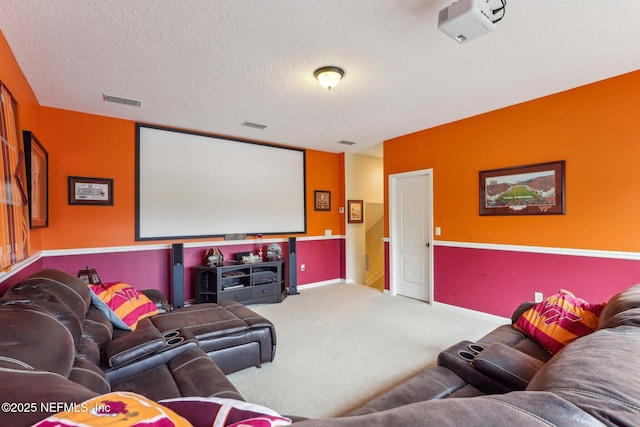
(211,65)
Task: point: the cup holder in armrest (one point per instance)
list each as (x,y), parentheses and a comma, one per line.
(466,355)
(122,351)
(174,340)
(172,337)
(473,351)
(170,334)
(461,360)
(475,348)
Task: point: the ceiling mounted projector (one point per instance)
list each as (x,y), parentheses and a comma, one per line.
(466,20)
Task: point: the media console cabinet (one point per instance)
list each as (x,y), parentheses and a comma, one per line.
(259,282)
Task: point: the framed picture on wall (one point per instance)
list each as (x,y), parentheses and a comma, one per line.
(322,200)
(37,163)
(355,211)
(18,175)
(90,191)
(523,190)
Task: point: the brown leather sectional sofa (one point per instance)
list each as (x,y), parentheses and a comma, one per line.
(57,347)
(512,381)
(48,353)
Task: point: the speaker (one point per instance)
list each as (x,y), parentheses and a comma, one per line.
(177,275)
(293,267)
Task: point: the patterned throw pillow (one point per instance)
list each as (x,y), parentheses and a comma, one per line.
(558,320)
(123,304)
(217,411)
(116,409)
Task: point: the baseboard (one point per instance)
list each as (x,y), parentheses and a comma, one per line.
(322,283)
(474,313)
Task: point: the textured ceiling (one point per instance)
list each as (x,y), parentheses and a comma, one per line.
(211,65)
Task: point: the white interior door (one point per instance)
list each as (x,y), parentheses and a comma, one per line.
(410,234)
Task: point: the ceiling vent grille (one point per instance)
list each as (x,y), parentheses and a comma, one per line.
(254,125)
(444,15)
(119,100)
(346,142)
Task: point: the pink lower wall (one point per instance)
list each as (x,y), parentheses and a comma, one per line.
(20,275)
(324,260)
(496,281)
(151,269)
(148,269)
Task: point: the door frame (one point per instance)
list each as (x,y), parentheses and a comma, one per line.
(394,235)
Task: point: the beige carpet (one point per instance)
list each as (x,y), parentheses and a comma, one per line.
(341,345)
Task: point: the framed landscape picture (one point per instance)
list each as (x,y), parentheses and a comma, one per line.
(523,190)
(90,191)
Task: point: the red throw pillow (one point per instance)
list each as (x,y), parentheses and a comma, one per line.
(123,304)
(558,320)
(218,411)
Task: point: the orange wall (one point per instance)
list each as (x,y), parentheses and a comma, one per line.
(594,128)
(325,171)
(93,146)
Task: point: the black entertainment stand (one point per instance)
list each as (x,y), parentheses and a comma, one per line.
(247,283)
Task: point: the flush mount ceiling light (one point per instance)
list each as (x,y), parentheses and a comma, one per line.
(329,77)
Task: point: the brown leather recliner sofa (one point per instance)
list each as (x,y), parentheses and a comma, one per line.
(512,381)
(55,346)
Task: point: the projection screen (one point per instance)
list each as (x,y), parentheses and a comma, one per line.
(191,185)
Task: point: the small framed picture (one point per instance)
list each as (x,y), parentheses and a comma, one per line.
(90,191)
(356,211)
(322,200)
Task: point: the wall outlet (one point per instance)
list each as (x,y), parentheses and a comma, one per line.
(538,296)
(303,267)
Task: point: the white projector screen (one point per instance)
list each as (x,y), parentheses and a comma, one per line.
(191,185)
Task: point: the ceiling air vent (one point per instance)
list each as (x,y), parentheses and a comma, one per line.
(443,15)
(346,142)
(118,100)
(254,125)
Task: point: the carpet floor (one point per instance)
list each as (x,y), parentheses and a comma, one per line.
(340,345)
